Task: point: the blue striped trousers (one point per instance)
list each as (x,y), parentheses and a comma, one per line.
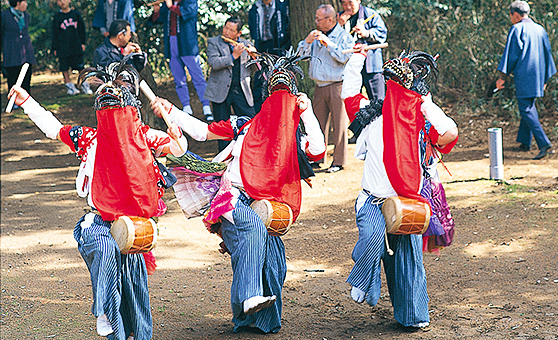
(259,267)
(405,276)
(119,281)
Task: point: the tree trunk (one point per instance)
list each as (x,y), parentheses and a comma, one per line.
(302,13)
(147,115)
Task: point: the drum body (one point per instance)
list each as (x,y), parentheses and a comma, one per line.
(405,216)
(134,235)
(276,216)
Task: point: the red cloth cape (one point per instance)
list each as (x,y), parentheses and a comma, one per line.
(403,121)
(269,162)
(124,178)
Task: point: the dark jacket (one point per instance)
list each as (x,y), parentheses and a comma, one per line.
(107,53)
(68,34)
(279,25)
(16,46)
(124,10)
(187,31)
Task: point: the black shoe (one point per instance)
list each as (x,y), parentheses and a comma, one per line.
(334,168)
(352,140)
(543,152)
(523,147)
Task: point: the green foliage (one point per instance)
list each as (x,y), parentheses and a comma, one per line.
(470,36)
(212,15)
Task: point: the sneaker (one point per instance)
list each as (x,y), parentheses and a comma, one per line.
(207,113)
(72,90)
(188,109)
(85,88)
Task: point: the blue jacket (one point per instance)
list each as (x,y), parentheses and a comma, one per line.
(377,29)
(328,62)
(186,30)
(124,10)
(528,56)
(16,45)
(279,25)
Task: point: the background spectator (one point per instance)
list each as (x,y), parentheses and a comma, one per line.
(528,56)
(228,85)
(68,43)
(110,10)
(117,45)
(372,32)
(181,47)
(325,45)
(269,25)
(16,43)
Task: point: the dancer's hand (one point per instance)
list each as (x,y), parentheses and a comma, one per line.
(159,104)
(20,93)
(302,101)
(174,131)
(361,49)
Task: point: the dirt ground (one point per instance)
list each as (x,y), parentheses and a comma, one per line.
(499,279)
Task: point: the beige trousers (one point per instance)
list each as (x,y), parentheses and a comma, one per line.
(330,109)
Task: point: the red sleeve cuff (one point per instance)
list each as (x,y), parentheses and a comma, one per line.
(315,158)
(64,134)
(434,135)
(352,105)
(222,128)
(447,148)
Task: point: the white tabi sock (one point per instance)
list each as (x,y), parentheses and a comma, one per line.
(257,303)
(421,325)
(358,295)
(103,326)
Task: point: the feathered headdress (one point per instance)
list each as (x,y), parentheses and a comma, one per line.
(118,84)
(413,70)
(279,72)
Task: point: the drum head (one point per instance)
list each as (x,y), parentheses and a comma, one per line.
(124,232)
(264,210)
(392,211)
(281,220)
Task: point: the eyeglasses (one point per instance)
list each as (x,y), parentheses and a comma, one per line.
(320,19)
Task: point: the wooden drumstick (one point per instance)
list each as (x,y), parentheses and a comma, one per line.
(18,83)
(389,251)
(151,96)
(369,47)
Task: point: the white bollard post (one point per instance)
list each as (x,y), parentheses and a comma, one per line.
(496,154)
